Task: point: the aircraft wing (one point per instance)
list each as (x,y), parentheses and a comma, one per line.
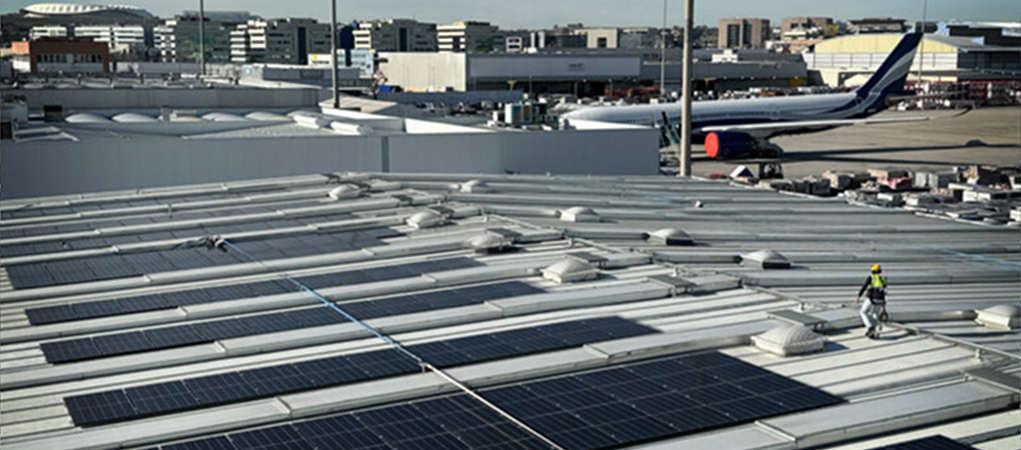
(765,130)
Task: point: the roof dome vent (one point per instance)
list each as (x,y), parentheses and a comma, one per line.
(1001,317)
(786,340)
(767,259)
(670,236)
(345,191)
(579,214)
(424,219)
(488,243)
(569,270)
(475,186)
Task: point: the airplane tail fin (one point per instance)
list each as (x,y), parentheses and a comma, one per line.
(890,77)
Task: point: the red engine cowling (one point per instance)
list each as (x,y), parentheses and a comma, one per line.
(728,145)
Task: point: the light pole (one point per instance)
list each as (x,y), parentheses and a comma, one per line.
(202,38)
(685,150)
(333,52)
(662,56)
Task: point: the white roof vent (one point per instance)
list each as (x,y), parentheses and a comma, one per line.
(475,186)
(1002,317)
(345,191)
(569,270)
(424,219)
(670,236)
(767,259)
(488,243)
(786,340)
(579,214)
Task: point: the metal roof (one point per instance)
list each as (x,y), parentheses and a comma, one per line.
(432,282)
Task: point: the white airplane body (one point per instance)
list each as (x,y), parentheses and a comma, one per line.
(747,122)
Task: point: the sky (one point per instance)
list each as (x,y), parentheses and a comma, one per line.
(546,13)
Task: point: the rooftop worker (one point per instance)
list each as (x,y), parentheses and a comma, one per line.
(875,285)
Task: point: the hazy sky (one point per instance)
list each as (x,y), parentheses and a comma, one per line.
(545,13)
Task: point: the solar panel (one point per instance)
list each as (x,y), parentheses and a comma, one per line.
(222,388)
(175,336)
(122,343)
(91,409)
(50,314)
(331,371)
(930,443)
(274,380)
(70,350)
(161,398)
(650,400)
(275,438)
(213,443)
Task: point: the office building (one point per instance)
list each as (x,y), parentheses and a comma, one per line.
(395,35)
(467,36)
(279,41)
(743,33)
(878,25)
(177,38)
(60,56)
(48,31)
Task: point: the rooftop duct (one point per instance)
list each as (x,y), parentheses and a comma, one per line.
(787,340)
(767,259)
(1002,317)
(670,236)
(579,214)
(569,270)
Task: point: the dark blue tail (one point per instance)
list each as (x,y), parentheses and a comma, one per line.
(890,78)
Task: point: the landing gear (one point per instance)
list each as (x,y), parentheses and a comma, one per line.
(770,170)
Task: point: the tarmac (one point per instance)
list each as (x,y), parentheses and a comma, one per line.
(990,136)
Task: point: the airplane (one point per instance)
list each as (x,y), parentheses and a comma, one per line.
(734,129)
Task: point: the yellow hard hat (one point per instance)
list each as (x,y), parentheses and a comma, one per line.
(876,268)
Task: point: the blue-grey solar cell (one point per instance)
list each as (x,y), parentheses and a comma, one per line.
(89,310)
(102,407)
(221,329)
(271,323)
(175,336)
(161,398)
(122,343)
(275,438)
(143,303)
(313,317)
(70,350)
(50,314)
(331,371)
(274,380)
(383,363)
(213,443)
(223,388)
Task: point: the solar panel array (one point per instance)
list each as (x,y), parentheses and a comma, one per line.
(653,400)
(51,273)
(646,401)
(175,336)
(129,305)
(929,443)
(71,209)
(98,241)
(269,381)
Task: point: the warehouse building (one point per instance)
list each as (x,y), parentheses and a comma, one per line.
(391,311)
(60,56)
(942,58)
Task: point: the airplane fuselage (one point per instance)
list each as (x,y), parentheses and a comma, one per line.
(735,112)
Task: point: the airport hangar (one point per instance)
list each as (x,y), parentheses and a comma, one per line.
(599,312)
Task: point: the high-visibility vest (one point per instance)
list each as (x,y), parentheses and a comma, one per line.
(878,289)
